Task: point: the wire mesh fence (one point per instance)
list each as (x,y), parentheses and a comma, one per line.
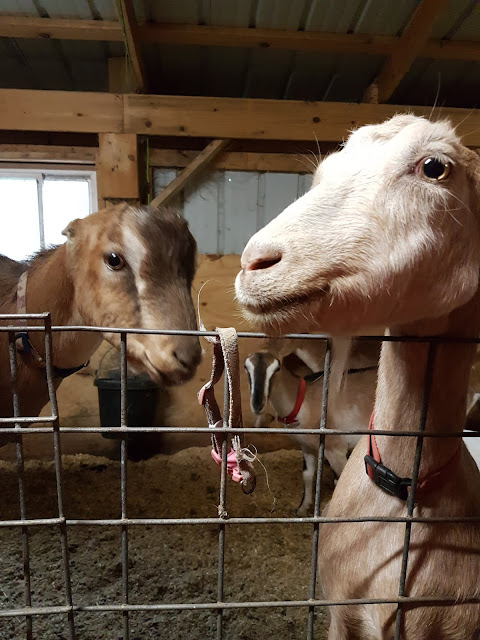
(16,426)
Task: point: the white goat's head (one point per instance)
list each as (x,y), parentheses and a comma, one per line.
(388,234)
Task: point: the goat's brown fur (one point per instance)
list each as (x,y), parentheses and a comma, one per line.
(76,286)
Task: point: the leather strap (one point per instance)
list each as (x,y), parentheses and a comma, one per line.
(226,358)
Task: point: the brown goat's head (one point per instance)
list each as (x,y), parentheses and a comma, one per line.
(388,234)
(133,267)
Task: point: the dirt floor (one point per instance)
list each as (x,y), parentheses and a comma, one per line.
(167,564)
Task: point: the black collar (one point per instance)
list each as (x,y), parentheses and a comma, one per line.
(28,351)
(313,377)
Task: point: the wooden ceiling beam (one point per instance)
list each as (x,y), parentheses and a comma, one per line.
(189,116)
(411,43)
(60,29)
(133,44)
(47,153)
(211,36)
(452,50)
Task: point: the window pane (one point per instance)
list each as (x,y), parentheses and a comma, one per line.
(63,201)
(19,229)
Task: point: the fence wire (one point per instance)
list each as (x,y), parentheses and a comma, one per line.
(16,323)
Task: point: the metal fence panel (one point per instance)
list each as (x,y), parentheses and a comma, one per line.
(70,608)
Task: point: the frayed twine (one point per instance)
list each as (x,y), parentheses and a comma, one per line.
(245,453)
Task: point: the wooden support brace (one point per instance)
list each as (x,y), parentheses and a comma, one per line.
(126,14)
(198,164)
(371,94)
(411,43)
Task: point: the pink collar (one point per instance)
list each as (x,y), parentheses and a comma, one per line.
(292,416)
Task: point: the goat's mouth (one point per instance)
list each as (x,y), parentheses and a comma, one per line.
(162,377)
(164,372)
(273,308)
(168,378)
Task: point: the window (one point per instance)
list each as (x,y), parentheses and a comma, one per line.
(36,206)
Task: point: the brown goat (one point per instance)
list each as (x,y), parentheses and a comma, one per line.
(121,267)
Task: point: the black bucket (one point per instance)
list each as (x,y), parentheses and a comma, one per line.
(142,399)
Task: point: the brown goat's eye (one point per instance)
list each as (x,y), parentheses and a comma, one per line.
(114,261)
(434,169)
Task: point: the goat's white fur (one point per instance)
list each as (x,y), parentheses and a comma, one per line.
(375,242)
(280,386)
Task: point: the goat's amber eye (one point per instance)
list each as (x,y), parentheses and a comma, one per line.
(434,169)
(114,261)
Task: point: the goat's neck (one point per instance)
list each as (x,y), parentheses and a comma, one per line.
(283,392)
(50,288)
(401,381)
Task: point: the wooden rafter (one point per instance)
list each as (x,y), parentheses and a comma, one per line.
(133,45)
(179,34)
(189,116)
(198,164)
(411,43)
(60,29)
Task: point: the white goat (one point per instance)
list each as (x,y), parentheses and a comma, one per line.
(297,401)
(389,235)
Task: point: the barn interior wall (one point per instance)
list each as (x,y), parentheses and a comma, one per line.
(225,208)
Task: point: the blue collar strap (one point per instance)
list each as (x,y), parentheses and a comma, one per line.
(32,357)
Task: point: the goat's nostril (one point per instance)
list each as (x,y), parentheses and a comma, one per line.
(264,263)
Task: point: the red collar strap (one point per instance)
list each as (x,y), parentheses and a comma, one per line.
(292,416)
(302,385)
(392,484)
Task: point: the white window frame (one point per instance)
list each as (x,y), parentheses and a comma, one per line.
(60,174)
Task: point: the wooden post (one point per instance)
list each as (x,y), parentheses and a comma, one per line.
(118,173)
(120,162)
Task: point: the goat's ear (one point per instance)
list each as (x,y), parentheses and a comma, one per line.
(70,229)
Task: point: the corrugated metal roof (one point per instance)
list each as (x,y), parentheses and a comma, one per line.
(256,73)
(365,16)
(19,7)
(447,82)
(81,9)
(460,20)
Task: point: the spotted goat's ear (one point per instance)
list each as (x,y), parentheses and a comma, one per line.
(70,229)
